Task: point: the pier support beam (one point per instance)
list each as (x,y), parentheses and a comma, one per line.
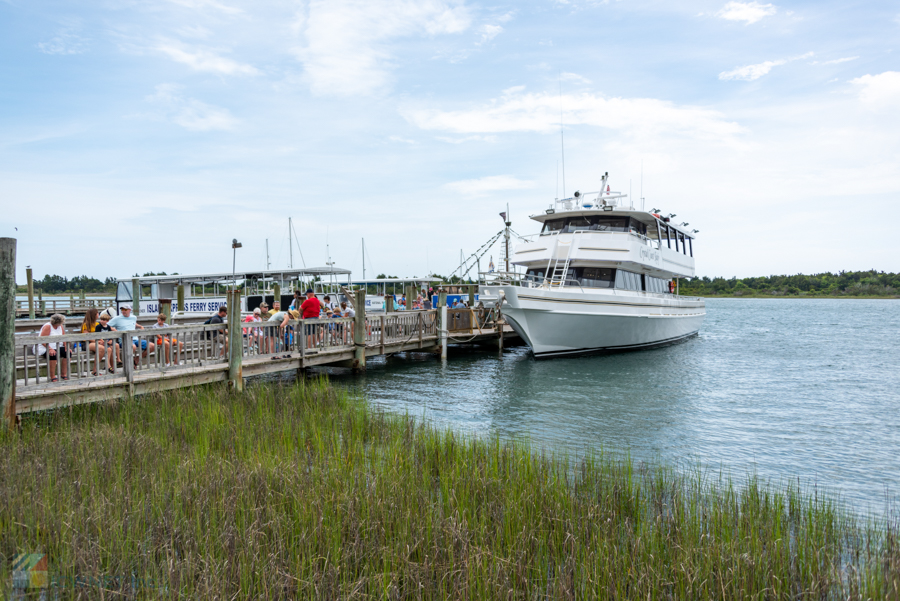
(30,278)
(359,332)
(136,297)
(276,289)
(235,342)
(180,296)
(8,331)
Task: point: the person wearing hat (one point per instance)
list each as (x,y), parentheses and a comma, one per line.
(253,334)
(264,311)
(126,322)
(281,318)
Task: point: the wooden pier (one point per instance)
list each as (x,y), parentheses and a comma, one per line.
(201,353)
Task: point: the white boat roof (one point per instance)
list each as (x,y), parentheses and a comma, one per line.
(274,275)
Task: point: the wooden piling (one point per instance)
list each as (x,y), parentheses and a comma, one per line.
(71,304)
(235,342)
(42,305)
(359,332)
(30,278)
(180,296)
(276,288)
(136,297)
(471,296)
(165,307)
(8,331)
(444,331)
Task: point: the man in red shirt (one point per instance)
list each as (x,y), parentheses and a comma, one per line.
(310,309)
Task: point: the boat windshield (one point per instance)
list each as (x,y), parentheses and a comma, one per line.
(594,223)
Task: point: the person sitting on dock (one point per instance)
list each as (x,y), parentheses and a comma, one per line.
(89,326)
(125,322)
(55,327)
(165,343)
(111,344)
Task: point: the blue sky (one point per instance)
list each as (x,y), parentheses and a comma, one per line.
(138,136)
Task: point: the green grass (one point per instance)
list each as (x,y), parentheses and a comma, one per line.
(301,492)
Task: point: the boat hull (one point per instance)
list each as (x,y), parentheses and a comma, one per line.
(563,322)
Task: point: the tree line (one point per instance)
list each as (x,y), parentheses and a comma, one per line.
(844,283)
(58,284)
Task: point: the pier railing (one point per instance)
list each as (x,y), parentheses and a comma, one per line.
(129,355)
(65,306)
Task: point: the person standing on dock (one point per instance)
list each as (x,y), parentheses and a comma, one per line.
(125,322)
(310,309)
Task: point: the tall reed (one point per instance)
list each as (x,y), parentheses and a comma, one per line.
(288,492)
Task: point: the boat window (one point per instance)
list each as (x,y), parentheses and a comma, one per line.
(667,236)
(610,224)
(597,277)
(691,245)
(553,225)
(638,227)
(683,246)
(578,223)
(537,274)
(626,280)
(123,291)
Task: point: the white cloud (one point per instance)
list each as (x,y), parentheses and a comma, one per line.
(516,111)
(753,72)
(837,61)
(202,4)
(748,12)
(190,113)
(880,91)
(64,42)
(574,77)
(205,60)
(347,42)
(491,183)
(489,32)
(464,139)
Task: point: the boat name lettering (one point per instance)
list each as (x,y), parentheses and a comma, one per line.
(650,254)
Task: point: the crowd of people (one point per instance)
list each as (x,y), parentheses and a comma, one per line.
(303,306)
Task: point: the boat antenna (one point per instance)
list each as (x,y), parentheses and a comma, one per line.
(267,255)
(557,180)
(642,184)
(562,140)
(290,243)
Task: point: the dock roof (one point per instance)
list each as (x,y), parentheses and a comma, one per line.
(274,274)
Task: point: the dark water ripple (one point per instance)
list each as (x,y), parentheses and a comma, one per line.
(784,388)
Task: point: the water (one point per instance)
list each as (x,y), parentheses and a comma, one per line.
(783,388)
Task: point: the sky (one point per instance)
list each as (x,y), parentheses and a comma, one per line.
(145,136)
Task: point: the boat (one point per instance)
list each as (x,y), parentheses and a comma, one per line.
(205,293)
(600,277)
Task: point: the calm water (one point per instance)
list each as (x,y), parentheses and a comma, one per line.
(781,388)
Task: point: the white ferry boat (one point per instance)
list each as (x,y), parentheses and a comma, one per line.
(601,276)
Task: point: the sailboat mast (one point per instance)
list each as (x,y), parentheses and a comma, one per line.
(291,241)
(364,257)
(268,264)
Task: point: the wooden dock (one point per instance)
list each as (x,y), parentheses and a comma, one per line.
(201,354)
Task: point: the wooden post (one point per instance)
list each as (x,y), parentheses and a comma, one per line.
(136,297)
(235,342)
(128,362)
(359,332)
(165,307)
(8,331)
(180,296)
(471,296)
(30,278)
(443,333)
(41,303)
(277,290)
(71,304)
(442,299)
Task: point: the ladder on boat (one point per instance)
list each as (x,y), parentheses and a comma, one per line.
(557,273)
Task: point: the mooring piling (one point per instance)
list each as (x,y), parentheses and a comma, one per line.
(8,331)
(30,278)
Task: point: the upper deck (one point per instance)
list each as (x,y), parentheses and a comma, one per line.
(598,229)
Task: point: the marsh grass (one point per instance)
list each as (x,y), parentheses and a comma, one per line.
(298,491)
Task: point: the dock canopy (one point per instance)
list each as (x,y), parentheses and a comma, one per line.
(277,275)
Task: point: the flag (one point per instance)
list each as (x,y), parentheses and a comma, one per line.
(503,215)
(491,265)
